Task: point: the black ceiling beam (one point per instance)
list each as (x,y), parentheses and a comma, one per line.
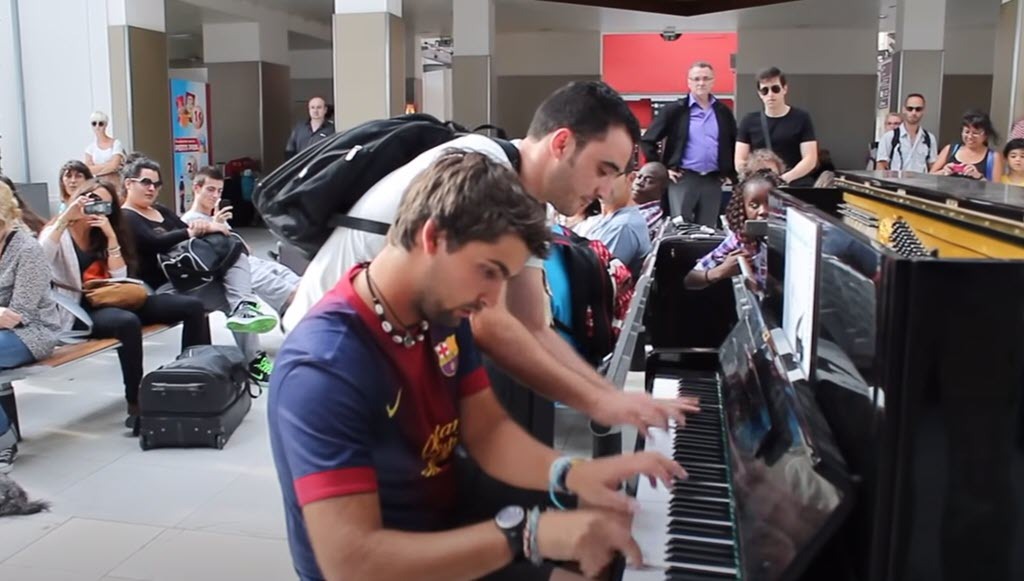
(674,7)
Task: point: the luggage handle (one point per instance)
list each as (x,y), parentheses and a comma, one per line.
(175,386)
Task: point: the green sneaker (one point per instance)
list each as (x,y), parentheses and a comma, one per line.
(261,367)
(247,318)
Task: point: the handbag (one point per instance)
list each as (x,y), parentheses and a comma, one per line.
(122,293)
(197,262)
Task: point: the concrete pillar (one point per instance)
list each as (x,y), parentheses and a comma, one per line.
(919,58)
(1008,69)
(369,61)
(414,71)
(13,139)
(140,93)
(474,85)
(250,90)
(109,56)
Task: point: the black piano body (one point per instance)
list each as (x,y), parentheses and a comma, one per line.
(917,375)
(919,370)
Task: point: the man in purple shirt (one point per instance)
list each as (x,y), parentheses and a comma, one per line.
(700,138)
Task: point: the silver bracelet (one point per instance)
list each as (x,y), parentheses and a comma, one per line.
(531,524)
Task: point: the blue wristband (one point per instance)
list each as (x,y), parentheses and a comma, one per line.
(557,476)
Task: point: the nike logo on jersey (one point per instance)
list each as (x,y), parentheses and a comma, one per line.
(393,409)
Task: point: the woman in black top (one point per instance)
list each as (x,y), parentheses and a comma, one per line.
(83,247)
(157,230)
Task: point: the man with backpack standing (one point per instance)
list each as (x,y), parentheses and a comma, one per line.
(909,147)
(580,140)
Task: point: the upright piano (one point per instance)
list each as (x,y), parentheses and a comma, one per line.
(888,437)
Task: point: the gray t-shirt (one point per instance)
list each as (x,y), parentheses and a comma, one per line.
(624,232)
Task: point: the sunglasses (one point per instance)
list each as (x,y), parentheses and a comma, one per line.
(147,183)
(774,88)
(914,109)
(99,123)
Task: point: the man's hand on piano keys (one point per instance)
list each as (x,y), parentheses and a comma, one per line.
(618,408)
(598,482)
(590,537)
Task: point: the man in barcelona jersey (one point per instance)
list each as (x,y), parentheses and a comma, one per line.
(380,390)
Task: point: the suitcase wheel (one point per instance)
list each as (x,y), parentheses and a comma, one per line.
(144,443)
(219,441)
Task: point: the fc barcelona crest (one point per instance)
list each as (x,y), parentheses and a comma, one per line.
(448,356)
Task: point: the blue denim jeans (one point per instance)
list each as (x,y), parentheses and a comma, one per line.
(13,353)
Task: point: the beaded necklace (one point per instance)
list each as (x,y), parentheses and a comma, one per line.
(409,335)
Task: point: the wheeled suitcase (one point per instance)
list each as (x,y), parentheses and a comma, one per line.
(197,400)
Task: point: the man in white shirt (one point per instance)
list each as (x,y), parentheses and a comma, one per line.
(272,282)
(908,147)
(580,140)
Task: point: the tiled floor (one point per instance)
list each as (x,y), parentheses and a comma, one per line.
(163,515)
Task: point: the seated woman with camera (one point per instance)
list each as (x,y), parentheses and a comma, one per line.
(158,231)
(90,253)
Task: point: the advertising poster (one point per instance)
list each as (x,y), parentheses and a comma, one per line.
(190,131)
(803,248)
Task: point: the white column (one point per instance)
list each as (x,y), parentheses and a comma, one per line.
(369,61)
(1008,68)
(249,72)
(414,71)
(66,60)
(474,94)
(919,59)
(13,139)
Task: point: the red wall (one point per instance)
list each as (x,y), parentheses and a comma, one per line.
(646,64)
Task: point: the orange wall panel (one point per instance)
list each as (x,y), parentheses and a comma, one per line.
(646,64)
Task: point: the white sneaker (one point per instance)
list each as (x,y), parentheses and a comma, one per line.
(248,318)
(7,456)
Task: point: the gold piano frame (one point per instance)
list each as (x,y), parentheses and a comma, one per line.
(956,232)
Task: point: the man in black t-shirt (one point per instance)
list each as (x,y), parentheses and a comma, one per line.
(790,131)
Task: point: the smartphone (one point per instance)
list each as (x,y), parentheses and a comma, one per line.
(958,167)
(756,228)
(97,208)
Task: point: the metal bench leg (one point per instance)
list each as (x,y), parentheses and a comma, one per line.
(10,406)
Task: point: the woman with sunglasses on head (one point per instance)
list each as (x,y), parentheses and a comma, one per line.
(72,175)
(157,229)
(90,241)
(973,157)
(105,155)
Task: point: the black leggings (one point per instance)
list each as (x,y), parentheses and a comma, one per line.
(126,327)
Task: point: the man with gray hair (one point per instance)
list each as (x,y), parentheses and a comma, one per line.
(307,133)
(700,137)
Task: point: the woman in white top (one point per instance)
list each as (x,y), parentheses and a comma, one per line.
(104,155)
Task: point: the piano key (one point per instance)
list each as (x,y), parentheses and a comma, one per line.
(682,576)
(680,551)
(699,572)
(707,530)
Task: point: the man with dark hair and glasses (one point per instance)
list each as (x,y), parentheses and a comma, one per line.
(909,147)
(785,130)
(700,137)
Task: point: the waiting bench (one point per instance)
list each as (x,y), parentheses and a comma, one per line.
(63,355)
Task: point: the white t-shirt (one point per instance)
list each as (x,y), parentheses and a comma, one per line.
(101,156)
(347,247)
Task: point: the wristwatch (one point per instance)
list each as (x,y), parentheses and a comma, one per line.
(511,521)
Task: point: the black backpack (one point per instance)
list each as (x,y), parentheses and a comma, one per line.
(304,199)
(197,262)
(592,294)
